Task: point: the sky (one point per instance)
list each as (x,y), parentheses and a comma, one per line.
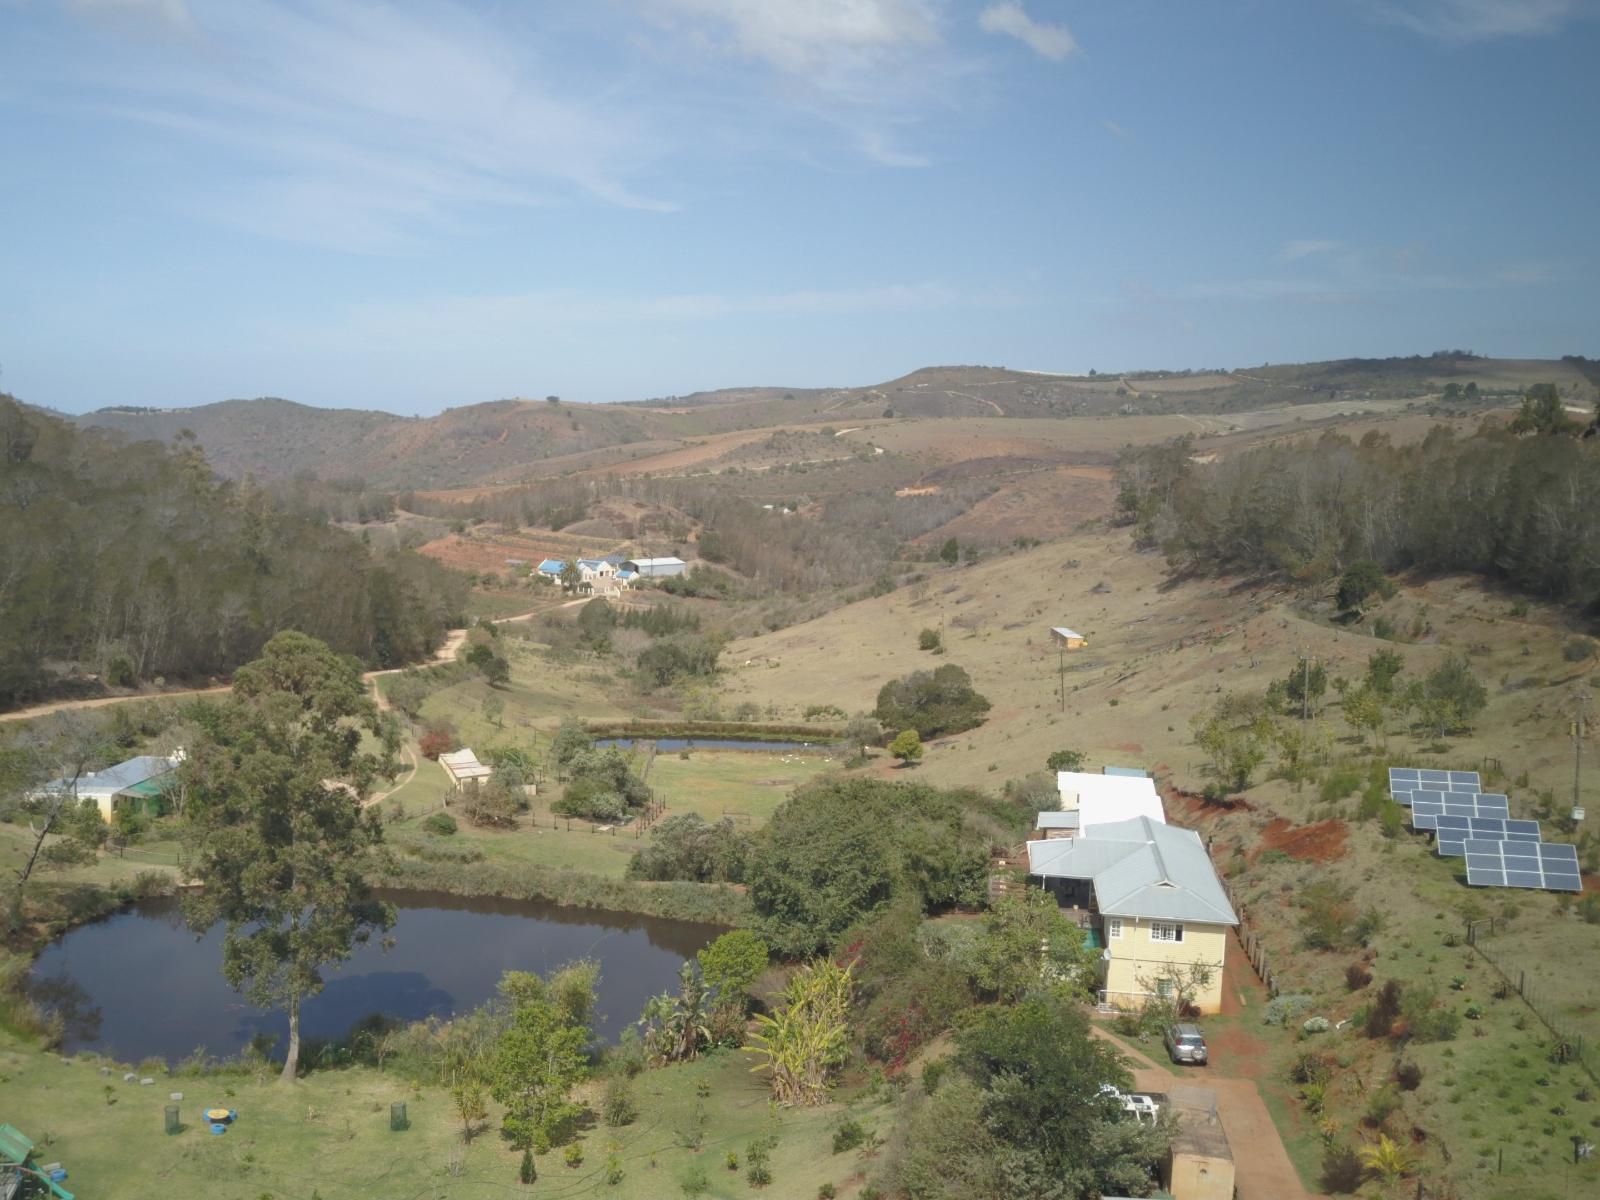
(422,205)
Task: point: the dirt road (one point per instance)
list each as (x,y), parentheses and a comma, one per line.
(1261,1164)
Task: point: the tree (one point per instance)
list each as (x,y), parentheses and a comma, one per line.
(1383,668)
(1361,580)
(863,731)
(1235,743)
(537,1062)
(688,847)
(571,740)
(1303,687)
(570,576)
(273,828)
(676,1027)
(494,709)
(74,743)
(1041,1075)
(494,668)
(1064,760)
(732,964)
(468,1098)
(950,552)
(1027,943)
(907,747)
(804,1043)
(1542,412)
(1363,708)
(931,639)
(836,852)
(932,702)
(1448,698)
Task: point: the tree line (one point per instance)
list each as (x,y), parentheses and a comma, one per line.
(1513,506)
(132,560)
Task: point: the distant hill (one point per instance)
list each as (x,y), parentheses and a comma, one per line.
(510,440)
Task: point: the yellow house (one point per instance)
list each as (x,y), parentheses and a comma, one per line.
(1155,898)
(1199,1162)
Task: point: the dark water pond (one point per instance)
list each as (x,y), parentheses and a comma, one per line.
(674,744)
(139,984)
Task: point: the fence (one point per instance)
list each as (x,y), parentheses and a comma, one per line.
(1254,949)
(1569,1045)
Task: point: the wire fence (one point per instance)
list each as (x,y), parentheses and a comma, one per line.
(1570,1045)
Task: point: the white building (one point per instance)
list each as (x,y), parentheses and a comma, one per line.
(1104,799)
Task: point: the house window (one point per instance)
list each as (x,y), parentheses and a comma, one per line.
(1113,928)
(1164,989)
(1165,931)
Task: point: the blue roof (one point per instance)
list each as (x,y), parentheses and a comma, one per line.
(551,566)
(626,574)
(1126,772)
(591,563)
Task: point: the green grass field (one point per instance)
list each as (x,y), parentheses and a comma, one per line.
(328,1135)
(747,785)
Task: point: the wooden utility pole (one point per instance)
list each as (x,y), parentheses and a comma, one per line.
(1061,671)
(1582,699)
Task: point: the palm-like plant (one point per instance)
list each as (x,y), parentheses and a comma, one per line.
(1388,1160)
(806,1040)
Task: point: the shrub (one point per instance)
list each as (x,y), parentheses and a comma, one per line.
(1316,1025)
(1385,1011)
(1356,976)
(1380,1105)
(618,1107)
(1342,1170)
(1064,760)
(1409,1076)
(436,742)
(1283,1009)
(687,847)
(492,805)
(930,639)
(848,1135)
(1311,1068)
(573,1154)
(441,823)
(1578,649)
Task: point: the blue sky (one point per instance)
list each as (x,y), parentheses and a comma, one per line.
(422,205)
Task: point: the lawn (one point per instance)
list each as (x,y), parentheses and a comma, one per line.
(745,784)
(328,1135)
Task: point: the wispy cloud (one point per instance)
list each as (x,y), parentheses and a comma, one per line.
(1476,20)
(873,70)
(1305,248)
(356,125)
(1116,130)
(1051,41)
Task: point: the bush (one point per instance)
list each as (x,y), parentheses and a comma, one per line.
(492,805)
(436,742)
(1356,976)
(1316,1025)
(1409,1076)
(1281,1010)
(1380,1105)
(930,639)
(1426,1020)
(1064,760)
(688,847)
(441,823)
(618,1107)
(1311,1068)
(1578,649)
(1342,1170)
(848,1135)
(1385,1011)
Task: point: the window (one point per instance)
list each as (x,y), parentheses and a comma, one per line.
(1164,989)
(1113,928)
(1165,931)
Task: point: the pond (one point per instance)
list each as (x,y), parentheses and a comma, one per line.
(670,745)
(139,984)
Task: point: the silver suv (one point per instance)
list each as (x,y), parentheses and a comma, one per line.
(1186,1044)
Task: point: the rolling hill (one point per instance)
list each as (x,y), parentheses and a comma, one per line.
(509,441)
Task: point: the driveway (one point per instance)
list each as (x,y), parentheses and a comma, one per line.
(1262,1170)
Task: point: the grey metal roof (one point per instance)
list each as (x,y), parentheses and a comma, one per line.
(1063,631)
(113,779)
(1140,868)
(1057,820)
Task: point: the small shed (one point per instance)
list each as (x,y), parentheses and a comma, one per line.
(656,568)
(19,1174)
(1068,639)
(464,768)
(1200,1163)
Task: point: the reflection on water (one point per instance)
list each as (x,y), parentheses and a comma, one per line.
(140,984)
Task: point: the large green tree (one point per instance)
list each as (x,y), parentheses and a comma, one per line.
(932,702)
(543,1054)
(274,829)
(1027,943)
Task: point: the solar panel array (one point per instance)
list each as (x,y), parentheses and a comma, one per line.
(1405,781)
(1427,806)
(1454,832)
(1547,865)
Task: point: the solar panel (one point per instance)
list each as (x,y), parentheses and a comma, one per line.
(1401,795)
(1550,866)
(1403,775)
(1466,777)
(1426,805)
(1403,780)
(1454,832)
(1433,777)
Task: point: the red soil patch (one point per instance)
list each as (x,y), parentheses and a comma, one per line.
(1322,842)
(1237,1050)
(1127,747)
(1194,805)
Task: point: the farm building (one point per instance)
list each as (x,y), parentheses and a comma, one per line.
(1068,639)
(1052,826)
(656,568)
(1150,891)
(464,768)
(138,783)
